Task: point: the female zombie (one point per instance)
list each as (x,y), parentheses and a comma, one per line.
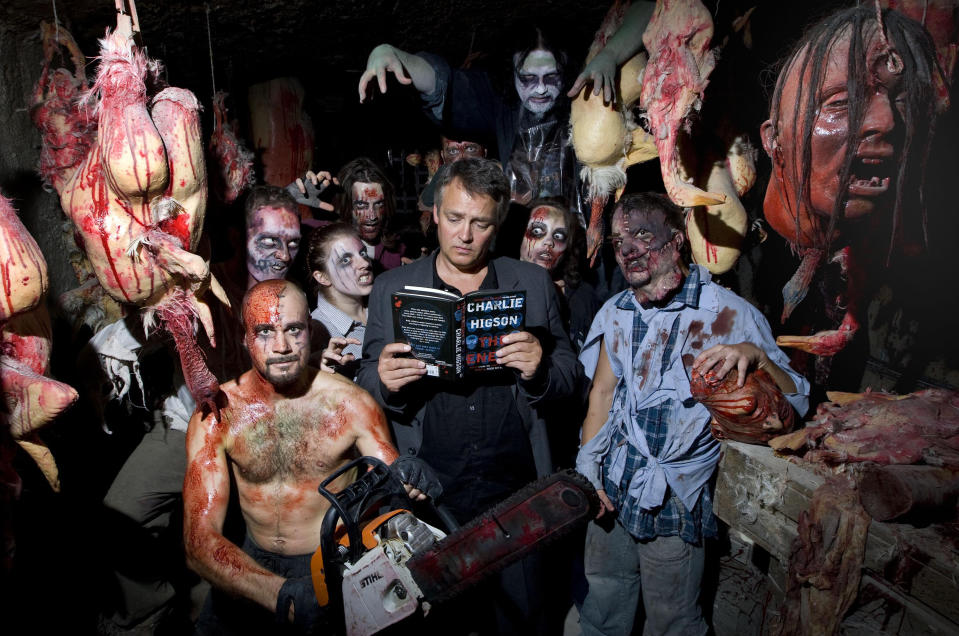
(554,240)
(342,276)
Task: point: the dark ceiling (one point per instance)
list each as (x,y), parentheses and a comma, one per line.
(326,43)
(265,38)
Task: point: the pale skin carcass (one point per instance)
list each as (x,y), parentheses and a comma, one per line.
(607,140)
(138,200)
(31,400)
(67,132)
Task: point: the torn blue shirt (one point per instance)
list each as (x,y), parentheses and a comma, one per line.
(652,371)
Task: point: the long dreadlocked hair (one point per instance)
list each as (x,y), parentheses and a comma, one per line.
(908,41)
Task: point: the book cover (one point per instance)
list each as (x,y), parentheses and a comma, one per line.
(456,336)
(487,317)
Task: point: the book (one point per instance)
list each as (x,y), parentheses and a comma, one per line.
(456,335)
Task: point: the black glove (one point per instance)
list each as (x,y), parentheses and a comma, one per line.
(306,609)
(418,474)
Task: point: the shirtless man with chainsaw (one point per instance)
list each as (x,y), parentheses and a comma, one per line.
(282,428)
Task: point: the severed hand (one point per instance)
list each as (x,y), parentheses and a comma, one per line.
(601,73)
(724,358)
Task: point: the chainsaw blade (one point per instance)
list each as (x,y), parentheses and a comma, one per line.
(531,518)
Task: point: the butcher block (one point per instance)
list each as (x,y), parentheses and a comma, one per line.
(910,577)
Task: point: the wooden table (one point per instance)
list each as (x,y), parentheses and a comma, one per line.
(913,572)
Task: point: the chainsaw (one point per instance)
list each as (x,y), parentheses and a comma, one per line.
(373,569)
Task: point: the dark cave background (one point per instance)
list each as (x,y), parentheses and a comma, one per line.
(58,580)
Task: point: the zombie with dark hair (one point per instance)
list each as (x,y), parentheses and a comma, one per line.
(529,126)
(366,201)
(646,443)
(848,134)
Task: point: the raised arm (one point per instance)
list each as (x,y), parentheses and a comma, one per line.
(601,70)
(206,493)
(386,57)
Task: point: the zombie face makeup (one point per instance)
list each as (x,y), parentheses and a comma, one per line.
(456,150)
(538,81)
(276,318)
(369,210)
(546,237)
(647,251)
(348,268)
(272,240)
(877,146)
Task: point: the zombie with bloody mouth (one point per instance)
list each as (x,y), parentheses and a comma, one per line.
(647,446)
(554,240)
(283,427)
(367,203)
(529,125)
(848,133)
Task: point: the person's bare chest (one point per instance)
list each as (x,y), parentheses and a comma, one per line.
(291,441)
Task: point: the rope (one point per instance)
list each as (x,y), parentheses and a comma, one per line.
(56,20)
(893,61)
(209,43)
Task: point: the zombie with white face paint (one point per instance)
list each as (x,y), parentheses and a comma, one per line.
(366,202)
(529,125)
(555,241)
(547,234)
(645,343)
(342,275)
(272,234)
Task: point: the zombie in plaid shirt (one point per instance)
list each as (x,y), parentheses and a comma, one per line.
(646,442)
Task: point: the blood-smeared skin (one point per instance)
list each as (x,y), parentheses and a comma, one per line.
(66,132)
(753,413)
(940,19)
(23,270)
(178,320)
(139,198)
(594,233)
(30,400)
(647,252)
(677,38)
(369,210)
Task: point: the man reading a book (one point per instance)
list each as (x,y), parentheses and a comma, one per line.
(281,429)
(482,435)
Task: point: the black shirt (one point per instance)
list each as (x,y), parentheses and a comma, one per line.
(474,437)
